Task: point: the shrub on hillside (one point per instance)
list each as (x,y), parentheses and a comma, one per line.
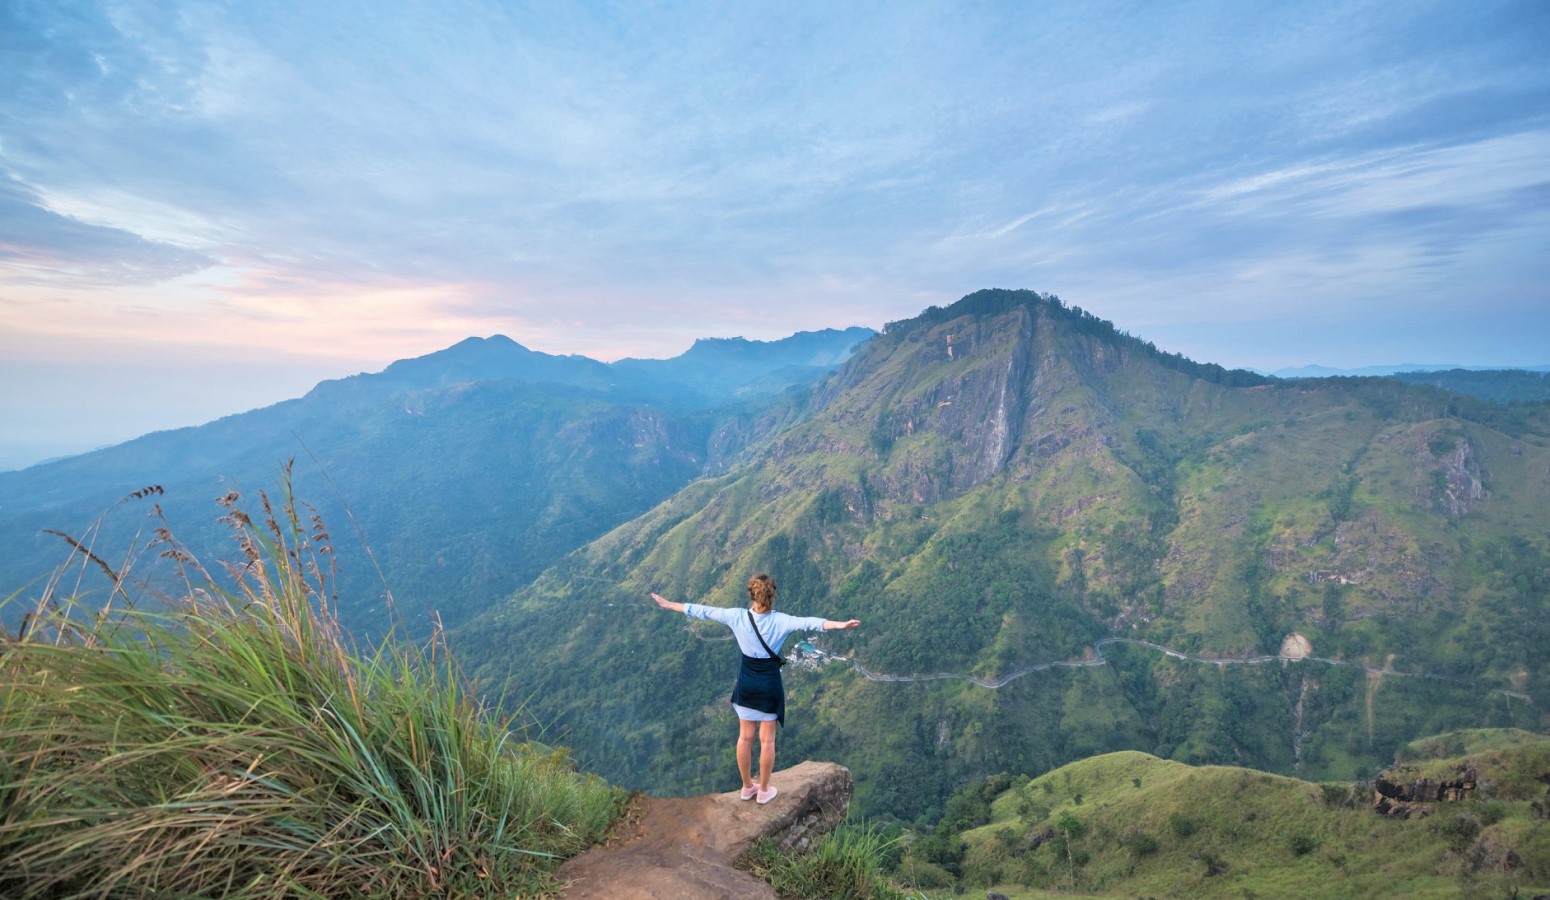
(847,864)
(235,744)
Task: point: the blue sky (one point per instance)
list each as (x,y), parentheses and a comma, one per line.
(206,207)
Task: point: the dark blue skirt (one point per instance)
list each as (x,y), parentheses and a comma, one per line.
(759,687)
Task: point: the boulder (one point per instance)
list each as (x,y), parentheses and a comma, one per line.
(686,847)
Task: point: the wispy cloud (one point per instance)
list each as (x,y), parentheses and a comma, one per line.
(621,179)
(44,245)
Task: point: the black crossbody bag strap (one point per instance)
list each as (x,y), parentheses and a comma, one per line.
(773,655)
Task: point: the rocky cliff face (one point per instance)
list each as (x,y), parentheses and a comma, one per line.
(947,406)
(1400,793)
(1459,488)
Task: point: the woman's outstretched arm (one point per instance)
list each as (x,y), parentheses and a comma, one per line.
(667,604)
(678,607)
(830,625)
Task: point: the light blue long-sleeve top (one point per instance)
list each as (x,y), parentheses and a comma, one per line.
(775,626)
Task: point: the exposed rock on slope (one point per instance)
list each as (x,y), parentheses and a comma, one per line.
(685,847)
(1403,794)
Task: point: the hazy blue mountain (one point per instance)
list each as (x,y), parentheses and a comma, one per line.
(460,493)
(716,368)
(464,472)
(711,370)
(1499,385)
(474,359)
(1317,371)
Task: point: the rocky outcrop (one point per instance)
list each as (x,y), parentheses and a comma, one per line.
(686,847)
(1399,794)
(1460,489)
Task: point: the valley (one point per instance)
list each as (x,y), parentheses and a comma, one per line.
(1061,541)
(997,487)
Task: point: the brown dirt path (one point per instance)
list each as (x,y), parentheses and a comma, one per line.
(684,848)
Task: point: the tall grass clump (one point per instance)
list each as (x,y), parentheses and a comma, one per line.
(848,863)
(234,743)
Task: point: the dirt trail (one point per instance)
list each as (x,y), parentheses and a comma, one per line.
(685,847)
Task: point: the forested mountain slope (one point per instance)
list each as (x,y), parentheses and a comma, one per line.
(1004,483)
(458,494)
(1497,385)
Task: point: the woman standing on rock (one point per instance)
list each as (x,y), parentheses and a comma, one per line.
(759,699)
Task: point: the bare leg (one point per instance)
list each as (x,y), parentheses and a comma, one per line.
(745,750)
(766,752)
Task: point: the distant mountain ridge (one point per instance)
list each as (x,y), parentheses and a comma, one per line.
(1495,385)
(1318,371)
(472,359)
(1498,385)
(714,368)
(711,370)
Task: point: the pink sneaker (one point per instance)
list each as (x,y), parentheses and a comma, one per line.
(767,796)
(748,792)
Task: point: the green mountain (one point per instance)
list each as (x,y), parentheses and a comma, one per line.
(1131,825)
(999,488)
(448,480)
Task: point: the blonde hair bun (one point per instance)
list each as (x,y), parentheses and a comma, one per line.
(761,593)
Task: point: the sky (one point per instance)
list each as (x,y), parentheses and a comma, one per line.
(210,207)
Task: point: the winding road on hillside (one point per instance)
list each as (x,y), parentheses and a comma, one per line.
(1098,659)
